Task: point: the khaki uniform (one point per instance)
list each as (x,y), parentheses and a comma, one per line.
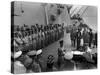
(42,40)
(36,36)
(34,41)
(39,40)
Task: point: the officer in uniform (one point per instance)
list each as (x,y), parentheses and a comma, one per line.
(36,33)
(26,41)
(54,33)
(91,37)
(51,34)
(42,38)
(57,32)
(30,38)
(39,38)
(34,39)
(78,39)
(46,36)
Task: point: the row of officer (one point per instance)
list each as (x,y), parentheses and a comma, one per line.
(37,36)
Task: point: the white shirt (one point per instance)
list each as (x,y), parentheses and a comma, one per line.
(89,50)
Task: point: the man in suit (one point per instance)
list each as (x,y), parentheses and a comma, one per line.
(78,39)
(90,37)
